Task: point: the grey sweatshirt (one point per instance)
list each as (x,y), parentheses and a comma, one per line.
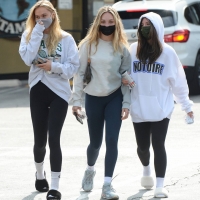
(107,67)
(64,65)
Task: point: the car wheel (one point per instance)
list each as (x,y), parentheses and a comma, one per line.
(194,84)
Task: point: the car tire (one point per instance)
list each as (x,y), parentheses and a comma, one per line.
(194,77)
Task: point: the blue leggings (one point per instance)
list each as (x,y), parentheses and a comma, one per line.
(98,110)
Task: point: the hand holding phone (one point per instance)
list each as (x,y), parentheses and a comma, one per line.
(78,118)
(80,115)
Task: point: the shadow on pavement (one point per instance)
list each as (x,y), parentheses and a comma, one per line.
(83,195)
(31,196)
(140,194)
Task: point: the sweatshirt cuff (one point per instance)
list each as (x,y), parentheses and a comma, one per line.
(188,110)
(39,27)
(126,105)
(54,68)
(77,103)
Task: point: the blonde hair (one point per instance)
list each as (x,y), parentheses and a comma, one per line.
(119,39)
(55,34)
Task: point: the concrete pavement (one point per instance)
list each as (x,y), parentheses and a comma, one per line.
(17,170)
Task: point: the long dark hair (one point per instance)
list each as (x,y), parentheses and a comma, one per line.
(148,51)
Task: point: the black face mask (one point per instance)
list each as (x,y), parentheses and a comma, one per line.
(107,30)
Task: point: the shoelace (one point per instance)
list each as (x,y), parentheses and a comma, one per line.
(89,177)
(111,187)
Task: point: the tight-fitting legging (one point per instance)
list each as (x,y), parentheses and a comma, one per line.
(48,112)
(156,132)
(98,110)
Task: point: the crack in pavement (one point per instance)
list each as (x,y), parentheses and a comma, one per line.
(185,178)
(180,182)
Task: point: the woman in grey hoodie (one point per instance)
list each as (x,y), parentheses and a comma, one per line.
(106,100)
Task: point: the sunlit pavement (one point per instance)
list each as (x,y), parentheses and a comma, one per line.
(17,170)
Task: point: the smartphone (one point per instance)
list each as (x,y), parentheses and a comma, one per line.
(41,61)
(78,118)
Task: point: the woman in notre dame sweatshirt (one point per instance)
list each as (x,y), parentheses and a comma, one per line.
(158,75)
(52,56)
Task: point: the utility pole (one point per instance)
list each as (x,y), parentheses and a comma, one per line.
(84,18)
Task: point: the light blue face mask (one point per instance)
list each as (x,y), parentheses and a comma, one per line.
(46,22)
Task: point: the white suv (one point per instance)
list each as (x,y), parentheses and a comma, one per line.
(181,20)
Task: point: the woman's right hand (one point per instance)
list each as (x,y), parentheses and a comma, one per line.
(125,82)
(75,109)
(40,22)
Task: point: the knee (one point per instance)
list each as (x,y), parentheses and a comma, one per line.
(111,142)
(54,141)
(39,148)
(158,146)
(143,150)
(93,147)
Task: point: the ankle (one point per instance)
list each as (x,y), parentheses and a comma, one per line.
(90,168)
(55,178)
(160,182)
(40,170)
(107,180)
(147,170)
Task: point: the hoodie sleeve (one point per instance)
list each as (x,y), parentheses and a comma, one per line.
(71,63)
(179,83)
(125,66)
(78,78)
(28,51)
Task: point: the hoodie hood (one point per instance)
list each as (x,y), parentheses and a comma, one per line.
(156,20)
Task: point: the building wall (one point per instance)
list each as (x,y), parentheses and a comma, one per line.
(71,20)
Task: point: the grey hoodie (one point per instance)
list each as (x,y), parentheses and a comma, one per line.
(107,67)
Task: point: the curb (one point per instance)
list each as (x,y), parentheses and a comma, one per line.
(10,83)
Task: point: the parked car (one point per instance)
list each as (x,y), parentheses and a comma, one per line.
(181,20)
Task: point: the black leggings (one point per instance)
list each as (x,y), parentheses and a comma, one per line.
(98,110)
(48,112)
(158,131)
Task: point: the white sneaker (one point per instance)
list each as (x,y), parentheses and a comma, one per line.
(147,182)
(161,192)
(87,182)
(108,192)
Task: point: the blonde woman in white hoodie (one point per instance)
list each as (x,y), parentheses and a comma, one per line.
(52,56)
(158,75)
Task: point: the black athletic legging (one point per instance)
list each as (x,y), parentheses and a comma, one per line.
(98,110)
(156,132)
(48,112)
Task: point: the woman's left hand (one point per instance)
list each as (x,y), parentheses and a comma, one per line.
(191,114)
(45,66)
(125,113)
(125,82)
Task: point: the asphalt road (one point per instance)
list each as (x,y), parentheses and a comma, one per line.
(17,172)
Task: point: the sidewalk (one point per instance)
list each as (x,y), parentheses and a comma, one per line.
(17,170)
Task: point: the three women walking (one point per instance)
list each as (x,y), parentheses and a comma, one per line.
(53,58)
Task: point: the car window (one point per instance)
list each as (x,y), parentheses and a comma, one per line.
(130,18)
(192,14)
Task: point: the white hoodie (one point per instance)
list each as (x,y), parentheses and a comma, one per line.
(65,61)
(152,97)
